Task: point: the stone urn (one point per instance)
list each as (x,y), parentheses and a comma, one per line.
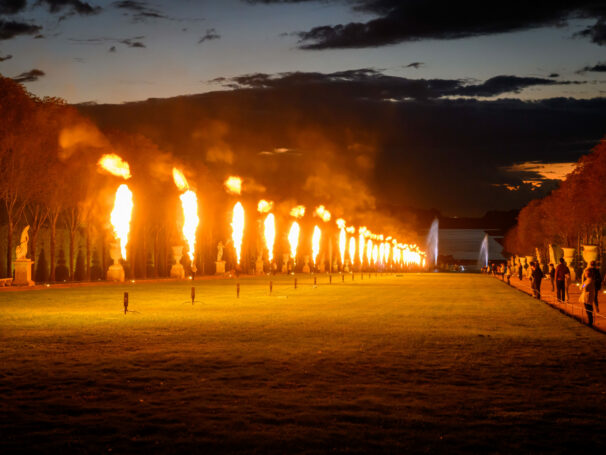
(569,258)
(177,270)
(590,253)
(115,272)
(555,253)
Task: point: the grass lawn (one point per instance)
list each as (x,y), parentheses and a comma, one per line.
(433,362)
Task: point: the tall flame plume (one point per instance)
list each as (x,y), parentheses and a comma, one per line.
(315,244)
(323,213)
(189,203)
(342,239)
(361,245)
(270,235)
(233,185)
(352,250)
(298,211)
(121,215)
(115,165)
(237,226)
(293,240)
(264,206)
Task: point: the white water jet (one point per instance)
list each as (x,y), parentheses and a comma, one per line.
(432,243)
(483,256)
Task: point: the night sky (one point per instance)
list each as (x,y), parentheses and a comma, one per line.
(494,101)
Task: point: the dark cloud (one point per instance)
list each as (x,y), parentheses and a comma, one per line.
(130,42)
(6,57)
(75,6)
(11,29)
(399,21)
(554,75)
(211,34)
(598,68)
(352,144)
(29,76)
(596,33)
(12,6)
(415,65)
(499,85)
(372,84)
(142,11)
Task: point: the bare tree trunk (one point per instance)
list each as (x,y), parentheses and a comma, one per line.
(103,259)
(155,254)
(53,243)
(88,252)
(9,248)
(72,239)
(144,251)
(33,239)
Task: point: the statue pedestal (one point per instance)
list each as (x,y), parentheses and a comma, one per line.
(569,258)
(115,272)
(259,266)
(219,267)
(177,271)
(23,272)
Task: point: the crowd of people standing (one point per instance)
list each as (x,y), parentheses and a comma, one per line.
(559,278)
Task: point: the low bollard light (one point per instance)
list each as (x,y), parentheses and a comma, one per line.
(315,282)
(329,279)
(271,287)
(125,302)
(295,283)
(342,278)
(238,290)
(193,295)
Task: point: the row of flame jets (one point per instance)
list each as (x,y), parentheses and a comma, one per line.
(375,248)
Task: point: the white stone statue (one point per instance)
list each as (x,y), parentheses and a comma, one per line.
(21,250)
(219,251)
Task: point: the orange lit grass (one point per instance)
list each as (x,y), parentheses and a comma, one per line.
(431,362)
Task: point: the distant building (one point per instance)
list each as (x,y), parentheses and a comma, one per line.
(462,246)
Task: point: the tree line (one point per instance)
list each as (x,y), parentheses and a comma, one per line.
(571,215)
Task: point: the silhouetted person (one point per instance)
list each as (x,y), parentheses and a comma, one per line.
(520,271)
(588,294)
(597,282)
(536,275)
(552,276)
(562,273)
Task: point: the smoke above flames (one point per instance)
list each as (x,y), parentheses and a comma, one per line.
(314,165)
